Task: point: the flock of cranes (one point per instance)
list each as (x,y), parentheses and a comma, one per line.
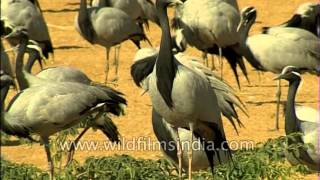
(188,98)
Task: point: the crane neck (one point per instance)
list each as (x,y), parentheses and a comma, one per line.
(84,22)
(20,71)
(165,64)
(33,56)
(4,92)
(291,119)
(243,48)
(292,125)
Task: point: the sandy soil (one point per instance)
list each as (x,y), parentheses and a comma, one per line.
(72,50)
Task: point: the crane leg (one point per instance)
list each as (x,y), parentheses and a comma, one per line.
(179,152)
(213,67)
(190,150)
(73,145)
(116,62)
(205,59)
(259,78)
(221,63)
(50,162)
(278,104)
(107,65)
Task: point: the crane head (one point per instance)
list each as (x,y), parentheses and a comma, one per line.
(289,73)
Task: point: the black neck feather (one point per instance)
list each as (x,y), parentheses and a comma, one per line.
(22,80)
(291,120)
(295,21)
(33,57)
(4,92)
(85,23)
(165,65)
(292,125)
(142,68)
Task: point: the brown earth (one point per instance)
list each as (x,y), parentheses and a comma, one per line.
(72,50)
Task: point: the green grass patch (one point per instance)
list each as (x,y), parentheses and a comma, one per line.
(266,161)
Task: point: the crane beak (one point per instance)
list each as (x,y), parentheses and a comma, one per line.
(278,77)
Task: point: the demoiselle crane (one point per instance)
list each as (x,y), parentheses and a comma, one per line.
(279,47)
(68,74)
(107,27)
(77,100)
(178,93)
(139,10)
(145,60)
(301,119)
(212,27)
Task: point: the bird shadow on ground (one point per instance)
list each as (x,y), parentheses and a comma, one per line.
(265,85)
(73,3)
(259,103)
(11,143)
(69,47)
(60,10)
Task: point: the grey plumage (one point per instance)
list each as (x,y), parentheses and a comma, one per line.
(27,14)
(212,27)
(280,47)
(178,94)
(296,120)
(24,117)
(107,27)
(227,101)
(68,74)
(139,10)
(144,62)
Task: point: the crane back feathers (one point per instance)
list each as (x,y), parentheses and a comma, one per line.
(294,21)
(109,129)
(219,142)
(142,68)
(233,59)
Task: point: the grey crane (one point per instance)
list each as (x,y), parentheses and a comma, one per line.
(27,14)
(77,100)
(307,17)
(107,27)
(69,74)
(145,60)
(280,47)
(212,27)
(178,94)
(305,121)
(139,10)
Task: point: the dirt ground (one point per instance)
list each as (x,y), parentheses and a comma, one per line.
(72,50)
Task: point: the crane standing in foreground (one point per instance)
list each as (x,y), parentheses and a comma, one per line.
(107,27)
(145,60)
(62,105)
(68,74)
(281,47)
(178,94)
(305,120)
